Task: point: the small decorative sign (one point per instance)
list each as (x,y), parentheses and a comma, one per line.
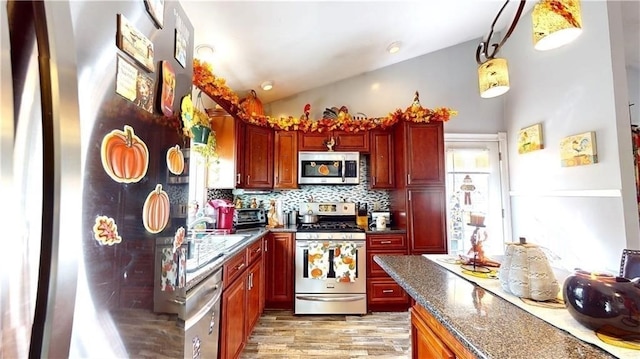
(182,41)
(579,150)
(168,88)
(155,8)
(134,85)
(530,139)
(134,43)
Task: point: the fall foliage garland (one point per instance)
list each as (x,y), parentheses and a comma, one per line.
(217,89)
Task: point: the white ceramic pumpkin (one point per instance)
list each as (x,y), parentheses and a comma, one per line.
(525,272)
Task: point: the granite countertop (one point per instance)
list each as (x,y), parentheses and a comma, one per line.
(385,231)
(487,325)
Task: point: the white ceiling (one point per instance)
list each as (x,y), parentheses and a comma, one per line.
(301,45)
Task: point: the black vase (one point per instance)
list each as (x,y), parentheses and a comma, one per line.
(603,302)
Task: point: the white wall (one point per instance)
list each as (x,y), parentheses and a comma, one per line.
(446,78)
(586,214)
(633,81)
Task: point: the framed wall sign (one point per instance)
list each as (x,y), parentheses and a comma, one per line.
(155,8)
(530,139)
(579,150)
(134,43)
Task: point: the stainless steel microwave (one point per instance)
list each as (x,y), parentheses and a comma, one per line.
(328,167)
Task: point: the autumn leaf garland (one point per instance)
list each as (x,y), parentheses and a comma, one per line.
(217,89)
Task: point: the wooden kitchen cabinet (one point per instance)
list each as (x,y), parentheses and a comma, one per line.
(258,157)
(426,223)
(279,271)
(344,141)
(232,330)
(419,201)
(383,293)
(243,292)
(381,164)
(430,339)
(286,160)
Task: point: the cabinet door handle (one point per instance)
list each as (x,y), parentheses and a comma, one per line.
(248,179)
(257,250)
(387,291)
(240,266)
(385,242)
(266,246)
(374,180)
(408,178)
(238,178)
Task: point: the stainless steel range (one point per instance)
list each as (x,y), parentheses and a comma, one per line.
(330,261)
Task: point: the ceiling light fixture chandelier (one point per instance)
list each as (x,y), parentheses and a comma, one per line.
(555,23)
(493,73)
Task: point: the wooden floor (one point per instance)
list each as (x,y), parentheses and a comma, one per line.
(280,334)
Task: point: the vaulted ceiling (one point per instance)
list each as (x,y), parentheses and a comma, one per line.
(301,45)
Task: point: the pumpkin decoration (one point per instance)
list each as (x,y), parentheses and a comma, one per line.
(175,160)
(252,104)
(125,156)
(155,212)
(525,272)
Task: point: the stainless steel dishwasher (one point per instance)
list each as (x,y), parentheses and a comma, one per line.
(202,313)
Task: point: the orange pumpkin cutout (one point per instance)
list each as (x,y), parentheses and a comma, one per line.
(175,160)
(155,212)
(252,104)
(125,156)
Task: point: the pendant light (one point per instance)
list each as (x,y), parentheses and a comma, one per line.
(555,23)
(493,73)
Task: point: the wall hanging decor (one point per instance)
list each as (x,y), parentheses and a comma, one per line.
(578,150)
(155,8)
(130,40)
(530,139)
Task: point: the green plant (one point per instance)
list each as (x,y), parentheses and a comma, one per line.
(208,151)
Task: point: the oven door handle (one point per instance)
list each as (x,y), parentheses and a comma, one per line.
(306,245)
(330,299)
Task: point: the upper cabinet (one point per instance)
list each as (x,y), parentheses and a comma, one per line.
(286,160)
(343,141)
(424,153)
(258,158)
(381,166)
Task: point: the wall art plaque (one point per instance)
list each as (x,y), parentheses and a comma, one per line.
(134,43)
(579,150)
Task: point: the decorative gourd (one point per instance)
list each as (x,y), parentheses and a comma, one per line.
(175,160)
(525,272)
(124,155)
(252,104)
(155,212)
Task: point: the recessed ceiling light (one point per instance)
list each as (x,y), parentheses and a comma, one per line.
(204,51)
(394,47)
(267,85)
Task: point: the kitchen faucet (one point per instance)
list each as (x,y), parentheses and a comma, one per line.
(200,220)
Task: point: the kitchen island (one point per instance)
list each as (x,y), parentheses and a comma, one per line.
(480,323)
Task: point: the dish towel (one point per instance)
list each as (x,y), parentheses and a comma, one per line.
(344,262)
(318,255)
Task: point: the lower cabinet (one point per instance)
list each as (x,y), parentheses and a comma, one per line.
(383,293)
(430,339)
(279,270)
(241,298)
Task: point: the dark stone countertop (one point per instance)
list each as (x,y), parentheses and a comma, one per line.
(386,231)
(490,327)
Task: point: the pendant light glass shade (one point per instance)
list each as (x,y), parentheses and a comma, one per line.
(493,77)
(555,23)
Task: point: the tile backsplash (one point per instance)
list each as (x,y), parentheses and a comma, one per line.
(290,199)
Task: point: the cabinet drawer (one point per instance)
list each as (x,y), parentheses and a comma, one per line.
(387,241)
(234,267)
(254,251)
(373,269)
(386,291)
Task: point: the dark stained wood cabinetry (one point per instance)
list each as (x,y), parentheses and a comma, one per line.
(286,160)
(381,166)
(241,299)
(383,293)
(344,141)
(429,339)
(279,271)
(258,157)
(419,201)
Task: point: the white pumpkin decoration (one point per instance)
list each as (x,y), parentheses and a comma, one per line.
(525,272)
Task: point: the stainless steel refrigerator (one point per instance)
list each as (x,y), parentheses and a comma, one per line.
(66,86)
